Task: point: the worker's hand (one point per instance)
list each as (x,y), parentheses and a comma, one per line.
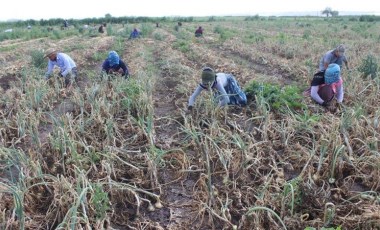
(325,104)
(47,76)
(189,110)
(340,106)
(63,92)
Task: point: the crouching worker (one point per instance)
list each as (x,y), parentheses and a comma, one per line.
(114,65)
(326,85)
(227,90)
(68,68)
(134,34)
(199,32)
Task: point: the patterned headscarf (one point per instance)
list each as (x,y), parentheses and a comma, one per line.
(208,76)
(332,73)
(113,58)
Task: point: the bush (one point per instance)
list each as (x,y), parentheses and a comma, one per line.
(38,59)
(369,66)
(109,31)
(182,45)
(306,34)
(146,30)
(159,36)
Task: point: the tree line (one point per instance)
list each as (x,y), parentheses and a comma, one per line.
(107,19)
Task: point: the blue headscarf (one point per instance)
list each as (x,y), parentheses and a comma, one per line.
(332,73)
(113,58)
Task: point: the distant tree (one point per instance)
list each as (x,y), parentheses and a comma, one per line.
(252,18)
(108,16)
(334,13)
(327,11)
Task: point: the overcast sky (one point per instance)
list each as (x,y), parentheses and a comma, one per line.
(79,9)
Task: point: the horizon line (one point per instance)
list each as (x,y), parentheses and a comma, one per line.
(263,14)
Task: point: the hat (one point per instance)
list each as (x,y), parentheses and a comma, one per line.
(340,48)
(113,58)
(208,76)
(49,51)
(332,73)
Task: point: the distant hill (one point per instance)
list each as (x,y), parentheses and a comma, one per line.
(13,20)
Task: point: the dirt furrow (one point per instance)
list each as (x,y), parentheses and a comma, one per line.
(176,186)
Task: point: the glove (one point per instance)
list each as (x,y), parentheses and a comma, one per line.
(190,108)
(325,103)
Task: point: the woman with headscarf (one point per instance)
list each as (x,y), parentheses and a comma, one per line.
(326,85)
(134,34)
(227,90)
(114,65)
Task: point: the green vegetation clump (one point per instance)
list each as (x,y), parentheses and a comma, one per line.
(275,96)
(224,33)
(182,45)
(100,201)
(369,18)
(323,228)
(254,38)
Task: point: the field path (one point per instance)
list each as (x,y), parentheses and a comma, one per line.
(176,187)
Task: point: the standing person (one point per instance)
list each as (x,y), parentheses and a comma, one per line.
(227,90)
(199,32)
(333,56)
(114,65)
(65,24)
(68,68)
(326,85)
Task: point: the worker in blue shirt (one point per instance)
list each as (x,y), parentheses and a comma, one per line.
(68,68)
(134,34)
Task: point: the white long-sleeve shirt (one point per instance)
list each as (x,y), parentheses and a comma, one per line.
(221,82)
(64,62)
